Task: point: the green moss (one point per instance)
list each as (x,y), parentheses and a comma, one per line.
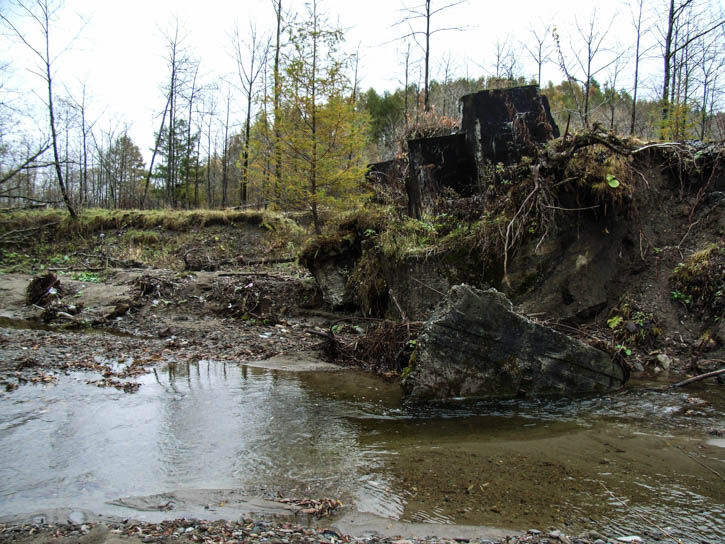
(412,363)
(699,281)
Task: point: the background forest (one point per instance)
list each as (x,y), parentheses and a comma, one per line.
(290,126)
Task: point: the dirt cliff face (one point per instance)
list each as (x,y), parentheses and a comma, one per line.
(617,242)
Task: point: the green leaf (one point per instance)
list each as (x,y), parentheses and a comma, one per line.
(614,322)
(612,181)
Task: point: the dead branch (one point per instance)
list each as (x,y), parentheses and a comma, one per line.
(703,465)
(27,164)
(701,377)
(252,262)
(24,232)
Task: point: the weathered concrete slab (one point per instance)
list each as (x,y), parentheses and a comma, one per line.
(476,346)
(506,124)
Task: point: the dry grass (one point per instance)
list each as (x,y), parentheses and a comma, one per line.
(57,223)
(33,240)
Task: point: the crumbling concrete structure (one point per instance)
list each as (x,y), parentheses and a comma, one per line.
(497,126)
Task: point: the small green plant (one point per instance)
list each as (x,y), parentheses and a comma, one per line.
(612,181)
(88,277)
(615,321)
(623,350)
(57,259)
(679,295)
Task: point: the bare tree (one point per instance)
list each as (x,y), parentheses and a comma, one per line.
(711,64)
(257,50)
(592,37)
(189,147)
(406,83)
(425,13)
(182,71)
(637,23)
(611,93)
(540,50)
(41,13)
(686,22)
(209,113)
(277,96)
(159,135)
(505,60)
(225,155)
(85,127)
(447,95)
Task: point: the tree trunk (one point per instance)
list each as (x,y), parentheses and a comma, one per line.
(153,155)
(225,159)
(54,135)
(667,57)
(636,70)
(313,162)
(426,98)
(277,127)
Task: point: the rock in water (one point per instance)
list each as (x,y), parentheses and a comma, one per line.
(476,346)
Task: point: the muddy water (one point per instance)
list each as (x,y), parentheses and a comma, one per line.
(633,463)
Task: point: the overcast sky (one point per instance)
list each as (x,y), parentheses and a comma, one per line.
(119,51)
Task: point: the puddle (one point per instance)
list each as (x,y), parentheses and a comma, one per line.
(636,462)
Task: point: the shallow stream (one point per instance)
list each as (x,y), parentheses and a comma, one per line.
(637,462)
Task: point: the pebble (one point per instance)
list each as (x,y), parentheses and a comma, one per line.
(664,361)
(251,532)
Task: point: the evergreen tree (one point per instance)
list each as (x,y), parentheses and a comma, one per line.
(323,137)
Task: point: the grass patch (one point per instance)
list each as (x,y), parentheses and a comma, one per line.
(142,237)
(59,224)
(31,240)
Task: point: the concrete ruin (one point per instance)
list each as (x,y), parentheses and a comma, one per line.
(476,346)
(498,126)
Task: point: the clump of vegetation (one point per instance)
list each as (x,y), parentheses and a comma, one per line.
(368,285)
(386,347)
(601,178)
(85,276)
(633,326)
(347,238)
(699,281)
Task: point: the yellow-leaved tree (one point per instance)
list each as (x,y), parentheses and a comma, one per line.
(323,137)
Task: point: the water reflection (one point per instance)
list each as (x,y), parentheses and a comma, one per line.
(346,435)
